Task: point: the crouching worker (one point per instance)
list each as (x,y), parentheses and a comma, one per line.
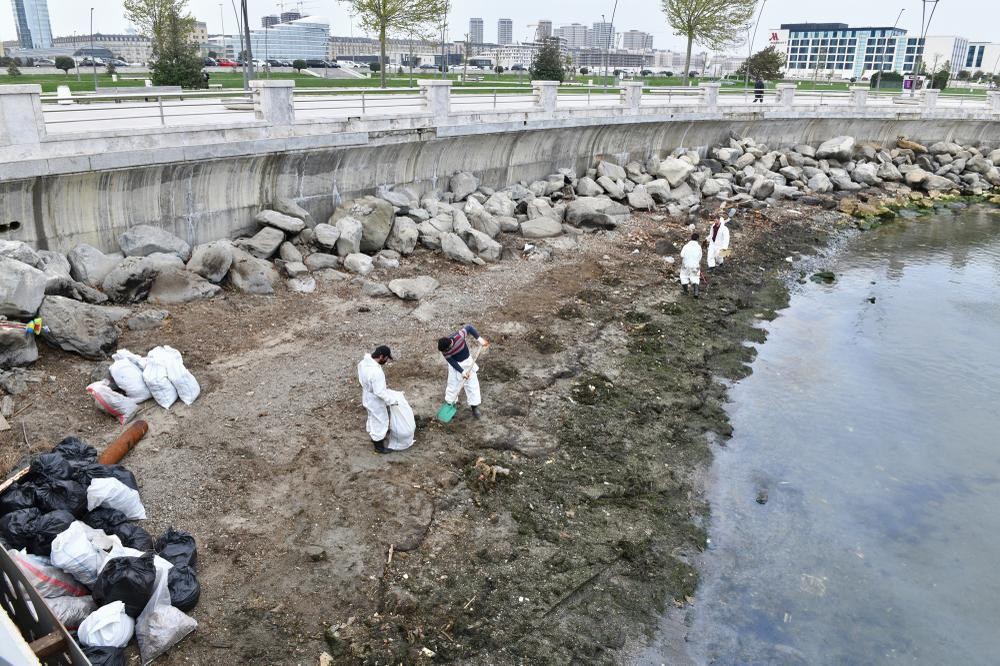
(462,368)
(390,420)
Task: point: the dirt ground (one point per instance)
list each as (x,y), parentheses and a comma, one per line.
(598,391)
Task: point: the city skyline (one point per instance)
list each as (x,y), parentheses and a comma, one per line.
(970,18)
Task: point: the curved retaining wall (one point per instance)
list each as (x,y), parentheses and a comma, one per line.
(215,198)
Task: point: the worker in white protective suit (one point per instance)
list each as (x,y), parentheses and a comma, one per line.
(718,240)
(691,264)
(375,395)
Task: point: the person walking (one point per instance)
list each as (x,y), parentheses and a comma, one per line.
(691,265)
(461,366)
(718,239)
(375,395)
(758,91)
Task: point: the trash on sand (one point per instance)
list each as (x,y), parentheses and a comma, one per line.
(119,406)
(72,611)
(161,626)
(108,626)
(114,494)
(126,579)
(49,580)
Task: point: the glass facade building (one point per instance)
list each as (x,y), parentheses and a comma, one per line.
(505,31)
(305,38)
(31,19)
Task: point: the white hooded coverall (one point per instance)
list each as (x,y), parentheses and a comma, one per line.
(375,397)
(717,245)
(691,263)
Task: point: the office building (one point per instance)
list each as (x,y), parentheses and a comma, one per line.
(602,36)
(575,35)
(543,31)
(982,57)
(268,21)
(31,20)
(476,31)
(303,38)
(673,61)
(635,40)
(599,59)
(288,17)
(505,31)
(128,47)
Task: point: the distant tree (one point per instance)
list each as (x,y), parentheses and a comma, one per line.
(547,64)
(766,64)
(978,76)
(375,67)
(717,24)
(6,61)
(175,59)
(499,69)
(13,70)
(213,55)
(584,71)
(964,75)
(65,63)
(299,65)
(111,70)
(399,70)
(886,80)
(670,73)
(411,18)
(939,80)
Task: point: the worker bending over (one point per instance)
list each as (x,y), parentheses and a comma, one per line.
(375,396)
(462,367)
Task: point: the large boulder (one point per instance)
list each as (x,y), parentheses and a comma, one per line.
(935,183)
(70,288)
(640,198)
(413,289)
(16,348)
(484,246)
(286,223)
(916,177)
(866,174)
(674,170)
(762,188)
(480,219)
(613,189)
(132,279)
(88,330)
(397,199)
(978,164)
(251,275)
(143,240)
(659,189)
(90,266)
(376,217)
(289,253)
(404,236)
(328,236)
(838,148)
(540,207)
(317,261)
(288,207)
(177,286)
(455,249)
(463,184)
(264,243)
(54,264)
(500,205)
(541,227)
(587,187)
(820,183)
(212,260)
(594,213)
(359,263)
(349,232)
(22,288)
(611,170)
(20,251)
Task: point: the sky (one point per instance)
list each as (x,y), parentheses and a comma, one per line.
(979,20)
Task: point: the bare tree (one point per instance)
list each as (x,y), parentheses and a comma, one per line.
(717,24)
(412,18)
(154,18)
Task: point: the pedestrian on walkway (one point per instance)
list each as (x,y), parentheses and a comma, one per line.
(375,395)
(461,366)
(758,91)
(691,265)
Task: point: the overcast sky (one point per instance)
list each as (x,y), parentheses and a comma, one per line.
(976,19)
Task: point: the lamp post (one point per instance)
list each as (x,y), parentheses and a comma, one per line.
(222,19)
(93,57)
(249,47)
(746,82)
(878,84)
(925,24)
(77,62)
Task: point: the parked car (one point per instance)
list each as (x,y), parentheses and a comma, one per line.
(429,67)
(517,68)
(44,62)
(335,65)
(210,62)
(118,62)
(646,72)
(274,63)
(226,62)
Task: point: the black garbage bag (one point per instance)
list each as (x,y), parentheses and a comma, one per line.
(104,656)
(16,527)
(49,466)
(184,587)
(18,496)
(61,495)
(134,536)
(87,473)
(178,548)
(76,451)
(126,579)
(45,528)
(104,518)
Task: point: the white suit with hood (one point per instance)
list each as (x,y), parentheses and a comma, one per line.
(375,396)
(718,244)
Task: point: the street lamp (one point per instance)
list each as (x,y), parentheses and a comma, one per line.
(222,18)
(93,57)
(881,67)
(746,82)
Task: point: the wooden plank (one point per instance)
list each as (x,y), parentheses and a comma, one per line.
(48,645)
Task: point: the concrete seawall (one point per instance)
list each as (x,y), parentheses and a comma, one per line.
(207,199)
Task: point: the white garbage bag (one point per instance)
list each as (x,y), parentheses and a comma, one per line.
(184,382)
(158,383)
(108,626)
(402,425)
(119,406)
(128,376)
(72,611)
(80,550)
(161,626)
(49,580)
(125,355)
(112,493)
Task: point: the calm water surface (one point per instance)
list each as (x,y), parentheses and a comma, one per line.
(874,428)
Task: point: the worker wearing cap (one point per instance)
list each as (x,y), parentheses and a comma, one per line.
(461,366)
(374,395)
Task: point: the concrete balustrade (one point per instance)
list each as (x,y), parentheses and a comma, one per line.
(859,97)
(632,95)
(710,95)
(21,119)
(546,95)
(786,95)
(437,98)
(993,100)
(272,101)
(931,99)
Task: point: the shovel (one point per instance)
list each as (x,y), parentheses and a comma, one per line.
(448,410)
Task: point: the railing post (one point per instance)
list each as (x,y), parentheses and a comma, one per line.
(786,94)
(546,95)
(21,119)
(632,95)
(930,99)
(859,97)
(710,95)
(273,101)
(437,98)
(993,100)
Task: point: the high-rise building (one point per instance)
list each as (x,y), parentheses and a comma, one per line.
(543,31)
(288,17)
(268,21)
(575,35)
(31,18)
(505,31)
(602,36)
(475,31)
(635,40)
